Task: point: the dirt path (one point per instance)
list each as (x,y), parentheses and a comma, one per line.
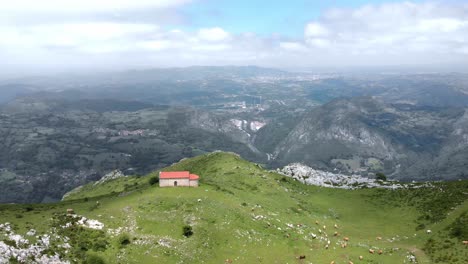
(420,255)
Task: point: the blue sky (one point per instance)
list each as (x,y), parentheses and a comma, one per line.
(263,17)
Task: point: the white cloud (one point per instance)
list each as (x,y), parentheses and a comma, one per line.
(407,30)
(293,46)
(386,34)
(316,30)
(213,34)
(86,37)
(79,6)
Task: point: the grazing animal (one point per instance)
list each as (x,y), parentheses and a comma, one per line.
(361,258)
(302,257)
(346,238)
(70,211)
(324,227)
(350,262)
(228,261)
(333,262)
(465,242)
(326,246)
(316,222)
(344,245)
(380,252)
(335,226)
(314,236)
(371,251)
(428,231)
(378,238)
(320,231)
(336,234)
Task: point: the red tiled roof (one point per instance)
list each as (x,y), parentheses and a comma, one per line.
(178,175)
(174,175)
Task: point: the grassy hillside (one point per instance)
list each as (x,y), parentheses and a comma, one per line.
(242,213)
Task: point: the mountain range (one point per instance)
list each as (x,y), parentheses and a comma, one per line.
(62,132)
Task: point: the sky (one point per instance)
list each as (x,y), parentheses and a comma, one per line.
(70,35)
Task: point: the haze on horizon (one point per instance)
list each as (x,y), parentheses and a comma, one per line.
(56,36)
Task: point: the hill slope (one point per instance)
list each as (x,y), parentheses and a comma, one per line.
(242,213)
(362,135)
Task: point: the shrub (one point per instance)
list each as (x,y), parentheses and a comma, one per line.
(93,259)
(153,180)
(187,231)
(459,228)
(123,239)
(380,176)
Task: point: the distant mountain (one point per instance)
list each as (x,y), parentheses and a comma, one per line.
(363,135)
(62,131)
(50,146)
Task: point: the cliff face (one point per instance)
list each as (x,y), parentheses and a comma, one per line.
(365,135)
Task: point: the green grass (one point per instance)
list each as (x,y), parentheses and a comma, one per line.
(244,214)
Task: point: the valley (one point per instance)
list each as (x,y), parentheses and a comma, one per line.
(55,139)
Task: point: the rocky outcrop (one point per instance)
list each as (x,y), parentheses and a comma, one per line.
(115,174)
(310,176)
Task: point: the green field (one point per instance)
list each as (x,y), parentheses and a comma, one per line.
(242,213)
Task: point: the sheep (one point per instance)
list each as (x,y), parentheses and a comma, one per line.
(326,246)
(346,238)
(350,262)
(336,234)
(371,251)
(324,227)
(228,261)
(465,242)
(428,231)
(378,238)
(333,262)
(302,257)
(344,245)
(361,258)
(335,226)
(320,231)
(380,252)
(314,236)
(70,211)
(316,222)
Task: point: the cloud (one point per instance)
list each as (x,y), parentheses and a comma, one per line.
(293,46)
(391,32)
(112,32)
(79,6)
(213,34)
